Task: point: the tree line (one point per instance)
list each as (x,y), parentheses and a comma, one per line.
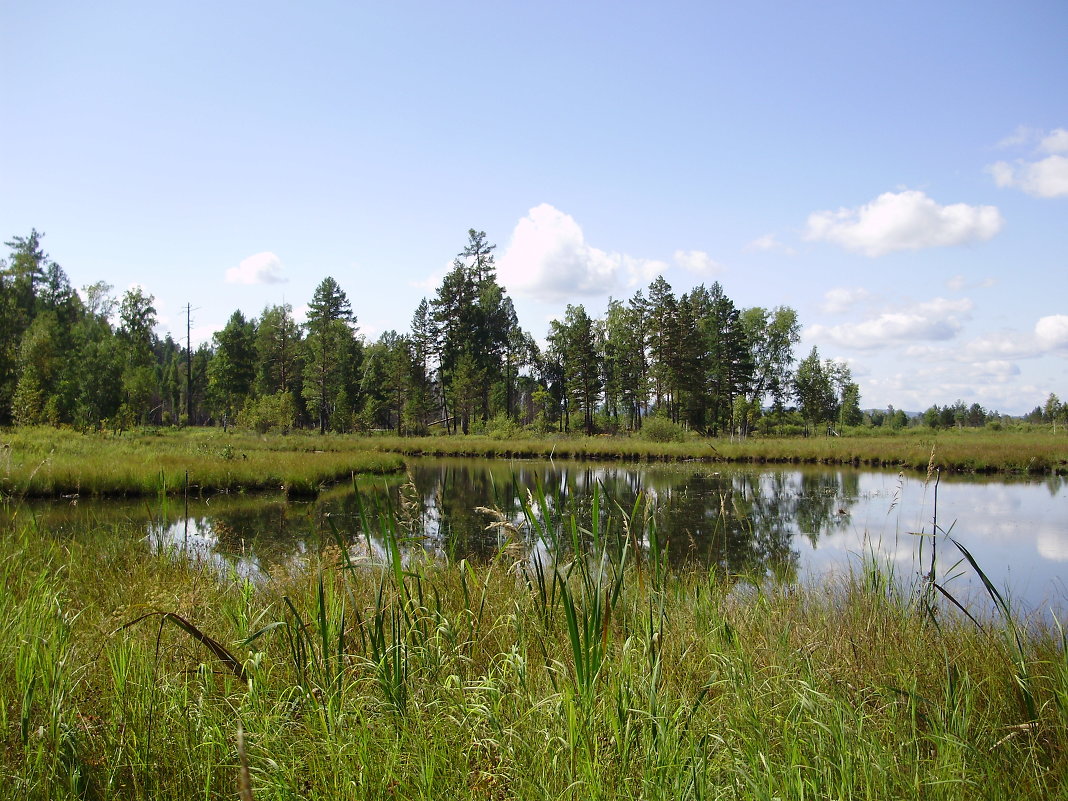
(696,360)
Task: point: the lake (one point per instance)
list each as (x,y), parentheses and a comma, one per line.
(796,525)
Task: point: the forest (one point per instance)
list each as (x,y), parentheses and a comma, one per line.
(696,362)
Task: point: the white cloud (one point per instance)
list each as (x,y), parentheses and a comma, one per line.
(432,281)
(768,242)
(1052,543)
(840,299)
(697,261)
(548,259)
(199,334)
(1047,177)
(916,390)
(1021,136)
(1055,142)
(906,220)
(1049,336)
(996,370)
(959,283)
(998,345)
(1052,332)
(939,319)
(1002,173)
(259,268)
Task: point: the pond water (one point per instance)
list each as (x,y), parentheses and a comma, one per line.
(802,525)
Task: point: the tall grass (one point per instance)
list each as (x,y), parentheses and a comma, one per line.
(48,462)
(571,664)
(972,451)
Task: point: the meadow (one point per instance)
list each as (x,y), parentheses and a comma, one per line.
(51,462)
(965,450)
(591,673)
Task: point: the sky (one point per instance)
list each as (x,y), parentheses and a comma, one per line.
(895,172)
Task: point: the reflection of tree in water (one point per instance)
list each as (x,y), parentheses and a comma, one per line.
(823,503)
(269,529)
(1054,484)
(459,492)
(705,518)
(740,523)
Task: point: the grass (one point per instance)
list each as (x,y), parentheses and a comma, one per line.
(968,450)
(49,462)
(377,673)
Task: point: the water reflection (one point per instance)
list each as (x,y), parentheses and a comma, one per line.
(787,524)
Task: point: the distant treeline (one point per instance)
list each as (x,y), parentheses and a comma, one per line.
(696,361)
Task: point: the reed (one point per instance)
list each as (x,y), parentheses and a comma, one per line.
(571,664)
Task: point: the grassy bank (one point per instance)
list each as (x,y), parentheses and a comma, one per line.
(957,450)
(365,676)
(51,462)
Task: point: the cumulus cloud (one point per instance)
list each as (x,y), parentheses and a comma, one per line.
(697,261)
(906,220)
(995,370)
(549,259)
(1052,332)
(998,345)
(1001,348)
(840,299)
(1044,177)
(259,268)
(938,320)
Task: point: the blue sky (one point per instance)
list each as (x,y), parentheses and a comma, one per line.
(897,172)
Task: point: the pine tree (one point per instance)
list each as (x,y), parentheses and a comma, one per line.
(233,366)
(582,367)
(329,351)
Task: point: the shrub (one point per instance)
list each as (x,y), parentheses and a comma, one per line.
(503,427)
(268,412)
(660,429)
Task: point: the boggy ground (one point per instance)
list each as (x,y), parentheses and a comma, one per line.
(968,450)
(374,673)
(49,462)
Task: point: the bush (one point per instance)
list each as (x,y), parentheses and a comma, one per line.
(660,429)
(268,412)
(503,427)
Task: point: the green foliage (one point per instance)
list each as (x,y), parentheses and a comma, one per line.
(661,429)
(267,413)
(502,427)
(232,368)
(331,355)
